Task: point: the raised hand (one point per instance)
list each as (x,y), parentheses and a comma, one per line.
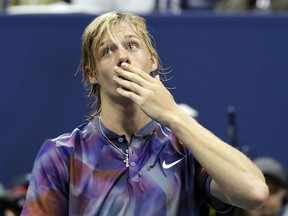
(146,91)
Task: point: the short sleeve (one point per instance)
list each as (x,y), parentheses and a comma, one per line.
(214,202)
(48,188)
(204,181)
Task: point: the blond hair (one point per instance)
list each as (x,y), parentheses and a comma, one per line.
(92,38)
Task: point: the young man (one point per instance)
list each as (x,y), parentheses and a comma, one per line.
(139,153)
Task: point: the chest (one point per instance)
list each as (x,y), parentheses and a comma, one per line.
(156,175)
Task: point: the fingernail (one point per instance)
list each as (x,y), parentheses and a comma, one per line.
(124,64)
(116,68)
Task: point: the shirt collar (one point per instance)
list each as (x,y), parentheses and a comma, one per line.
(147,130)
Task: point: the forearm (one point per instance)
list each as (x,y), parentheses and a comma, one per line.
(239,181)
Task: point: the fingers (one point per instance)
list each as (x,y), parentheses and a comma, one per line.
(128,72)
(130,76)
(132,79)
(127,85)
(128,94)
(135,83)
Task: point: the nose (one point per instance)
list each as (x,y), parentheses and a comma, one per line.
(123,57)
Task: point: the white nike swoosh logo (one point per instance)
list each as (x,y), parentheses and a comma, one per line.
(167,166)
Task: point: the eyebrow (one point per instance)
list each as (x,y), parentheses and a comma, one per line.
(132,36)
(107,41)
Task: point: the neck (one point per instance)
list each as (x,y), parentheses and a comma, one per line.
(126,121)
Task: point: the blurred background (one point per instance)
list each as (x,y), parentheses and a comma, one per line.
(228,60)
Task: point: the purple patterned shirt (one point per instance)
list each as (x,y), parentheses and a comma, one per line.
(81,173)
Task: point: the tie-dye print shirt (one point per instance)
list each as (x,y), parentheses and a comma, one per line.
(81,173)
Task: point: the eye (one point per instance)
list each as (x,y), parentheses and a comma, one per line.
(107,52)
(132,46)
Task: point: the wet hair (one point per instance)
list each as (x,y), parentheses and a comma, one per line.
(92,39)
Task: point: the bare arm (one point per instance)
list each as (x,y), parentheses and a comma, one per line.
(236,179)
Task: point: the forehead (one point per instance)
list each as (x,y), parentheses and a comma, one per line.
(117,32)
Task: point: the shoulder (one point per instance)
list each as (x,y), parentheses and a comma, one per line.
(65,143)
(78,135)
(55,153)
(170,139)
(162,132)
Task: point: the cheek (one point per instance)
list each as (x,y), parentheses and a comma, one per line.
(105,69)
(146,63)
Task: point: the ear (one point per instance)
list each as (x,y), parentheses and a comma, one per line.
(91,75)
(154,64)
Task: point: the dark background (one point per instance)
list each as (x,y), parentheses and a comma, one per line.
(217,60)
